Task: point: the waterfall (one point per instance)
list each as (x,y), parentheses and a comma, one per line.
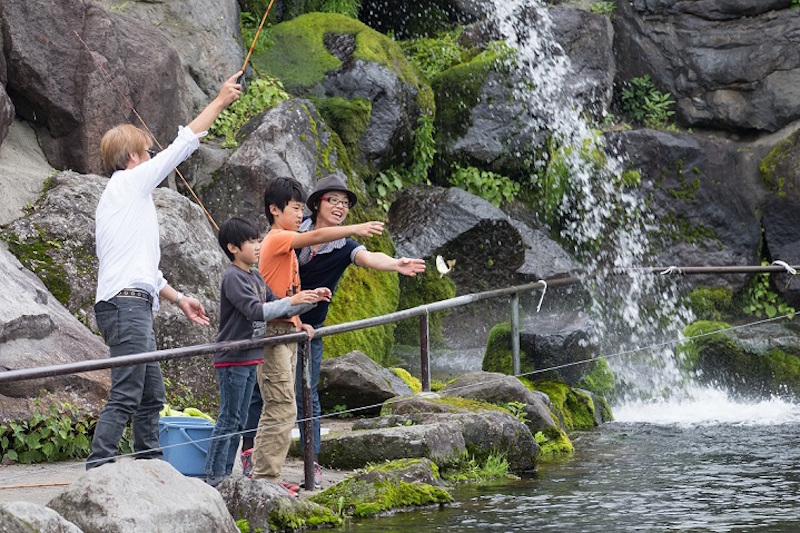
(602,214)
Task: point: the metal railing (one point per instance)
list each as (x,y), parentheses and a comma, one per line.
(422,311)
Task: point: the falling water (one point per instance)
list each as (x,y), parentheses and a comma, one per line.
(604,219)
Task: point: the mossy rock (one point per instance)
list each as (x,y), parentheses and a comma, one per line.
(780,169)
(497,357)
(379,489)
(711,303)
(553,443)
(575,408)
(422,289)
(413,383)
(348,118)
(601,381)
(718,359)
(299,58)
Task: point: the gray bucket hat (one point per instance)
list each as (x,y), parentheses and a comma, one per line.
(334,182)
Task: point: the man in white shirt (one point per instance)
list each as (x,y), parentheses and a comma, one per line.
(129,280)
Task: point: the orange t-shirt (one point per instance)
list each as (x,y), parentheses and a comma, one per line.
(277,263)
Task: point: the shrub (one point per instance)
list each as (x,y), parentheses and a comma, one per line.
(492,187)
(59,432)
(645,104)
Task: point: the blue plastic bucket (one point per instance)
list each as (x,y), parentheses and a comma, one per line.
(179,436)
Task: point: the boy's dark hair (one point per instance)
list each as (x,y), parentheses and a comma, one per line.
(281,191)
(235,231)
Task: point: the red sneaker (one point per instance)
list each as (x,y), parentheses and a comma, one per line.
(291,488)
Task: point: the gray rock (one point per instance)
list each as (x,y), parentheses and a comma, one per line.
(36,330)
(11,524)
(704,194)
(355,380)
(204,33)
(42,519)
(484,432)
(256,499)
(6,113)
(144,495)
(440,443)
(55,83)
(499,388)
(23,171)
(556,340)
(288,140)
(695,50)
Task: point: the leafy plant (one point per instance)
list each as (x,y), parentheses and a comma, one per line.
(59,432)
(795,4)
(433,55)
(262,94)
(645,104)
(761,299)
(342,410)
(490,186)
(603,8)
(386,183)
(470,469)
(517,410)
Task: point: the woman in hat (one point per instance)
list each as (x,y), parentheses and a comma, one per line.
(323,265)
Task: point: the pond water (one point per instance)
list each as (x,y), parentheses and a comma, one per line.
(710,465)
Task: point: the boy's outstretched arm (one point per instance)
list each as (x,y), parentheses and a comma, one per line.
(321,235)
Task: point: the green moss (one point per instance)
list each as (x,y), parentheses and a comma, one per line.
(553,443)
(37,255)
(285,516)
(575,408)
(348,118)
(361,498)
(710,303)
(780,169)
(300,59)
(454,404)
(600,380)
(497,357)
(413,383)
(422,289)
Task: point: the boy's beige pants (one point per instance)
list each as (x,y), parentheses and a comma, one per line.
(276,379)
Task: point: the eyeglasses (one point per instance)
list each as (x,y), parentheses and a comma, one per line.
(337,201)
(151,151)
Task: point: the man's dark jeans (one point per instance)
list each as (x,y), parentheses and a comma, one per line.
(137,392)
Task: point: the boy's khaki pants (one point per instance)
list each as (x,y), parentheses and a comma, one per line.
(276,379)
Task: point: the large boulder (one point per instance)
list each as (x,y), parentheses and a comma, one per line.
(11,524)
(289,140)
(23,171)
(6,113)
(354,380)
(61,87)
(705,194)
(498,388)
(40,518)
(36,330)
(56,241)
(696,51)
(561,341)
(440,442)
(412,19)
(204,33)
(142,495)
(352,70)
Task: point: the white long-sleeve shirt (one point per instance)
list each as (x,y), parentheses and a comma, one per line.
(126,224)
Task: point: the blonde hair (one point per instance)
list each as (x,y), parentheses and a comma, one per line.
(119,142)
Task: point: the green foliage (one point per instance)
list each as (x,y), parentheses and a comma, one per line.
(761,299)
(553,443)
(244,527)
(492,187)
(645,104)
(497,357)
(57,433)
(261,94)
(795,4)
(472,470)
(575,408)
(603,8)
(434,55)
(423,288)
(248,23)
(342,410)
(710,303)
(600,380)
(384,186)
(518,411)
(348,118)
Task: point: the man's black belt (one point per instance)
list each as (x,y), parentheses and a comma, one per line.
(136,293)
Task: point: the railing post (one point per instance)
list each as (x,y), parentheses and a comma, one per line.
(515,334)
(424,353)
(308,418)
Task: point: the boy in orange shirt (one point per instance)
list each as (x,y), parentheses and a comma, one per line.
(284,200)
